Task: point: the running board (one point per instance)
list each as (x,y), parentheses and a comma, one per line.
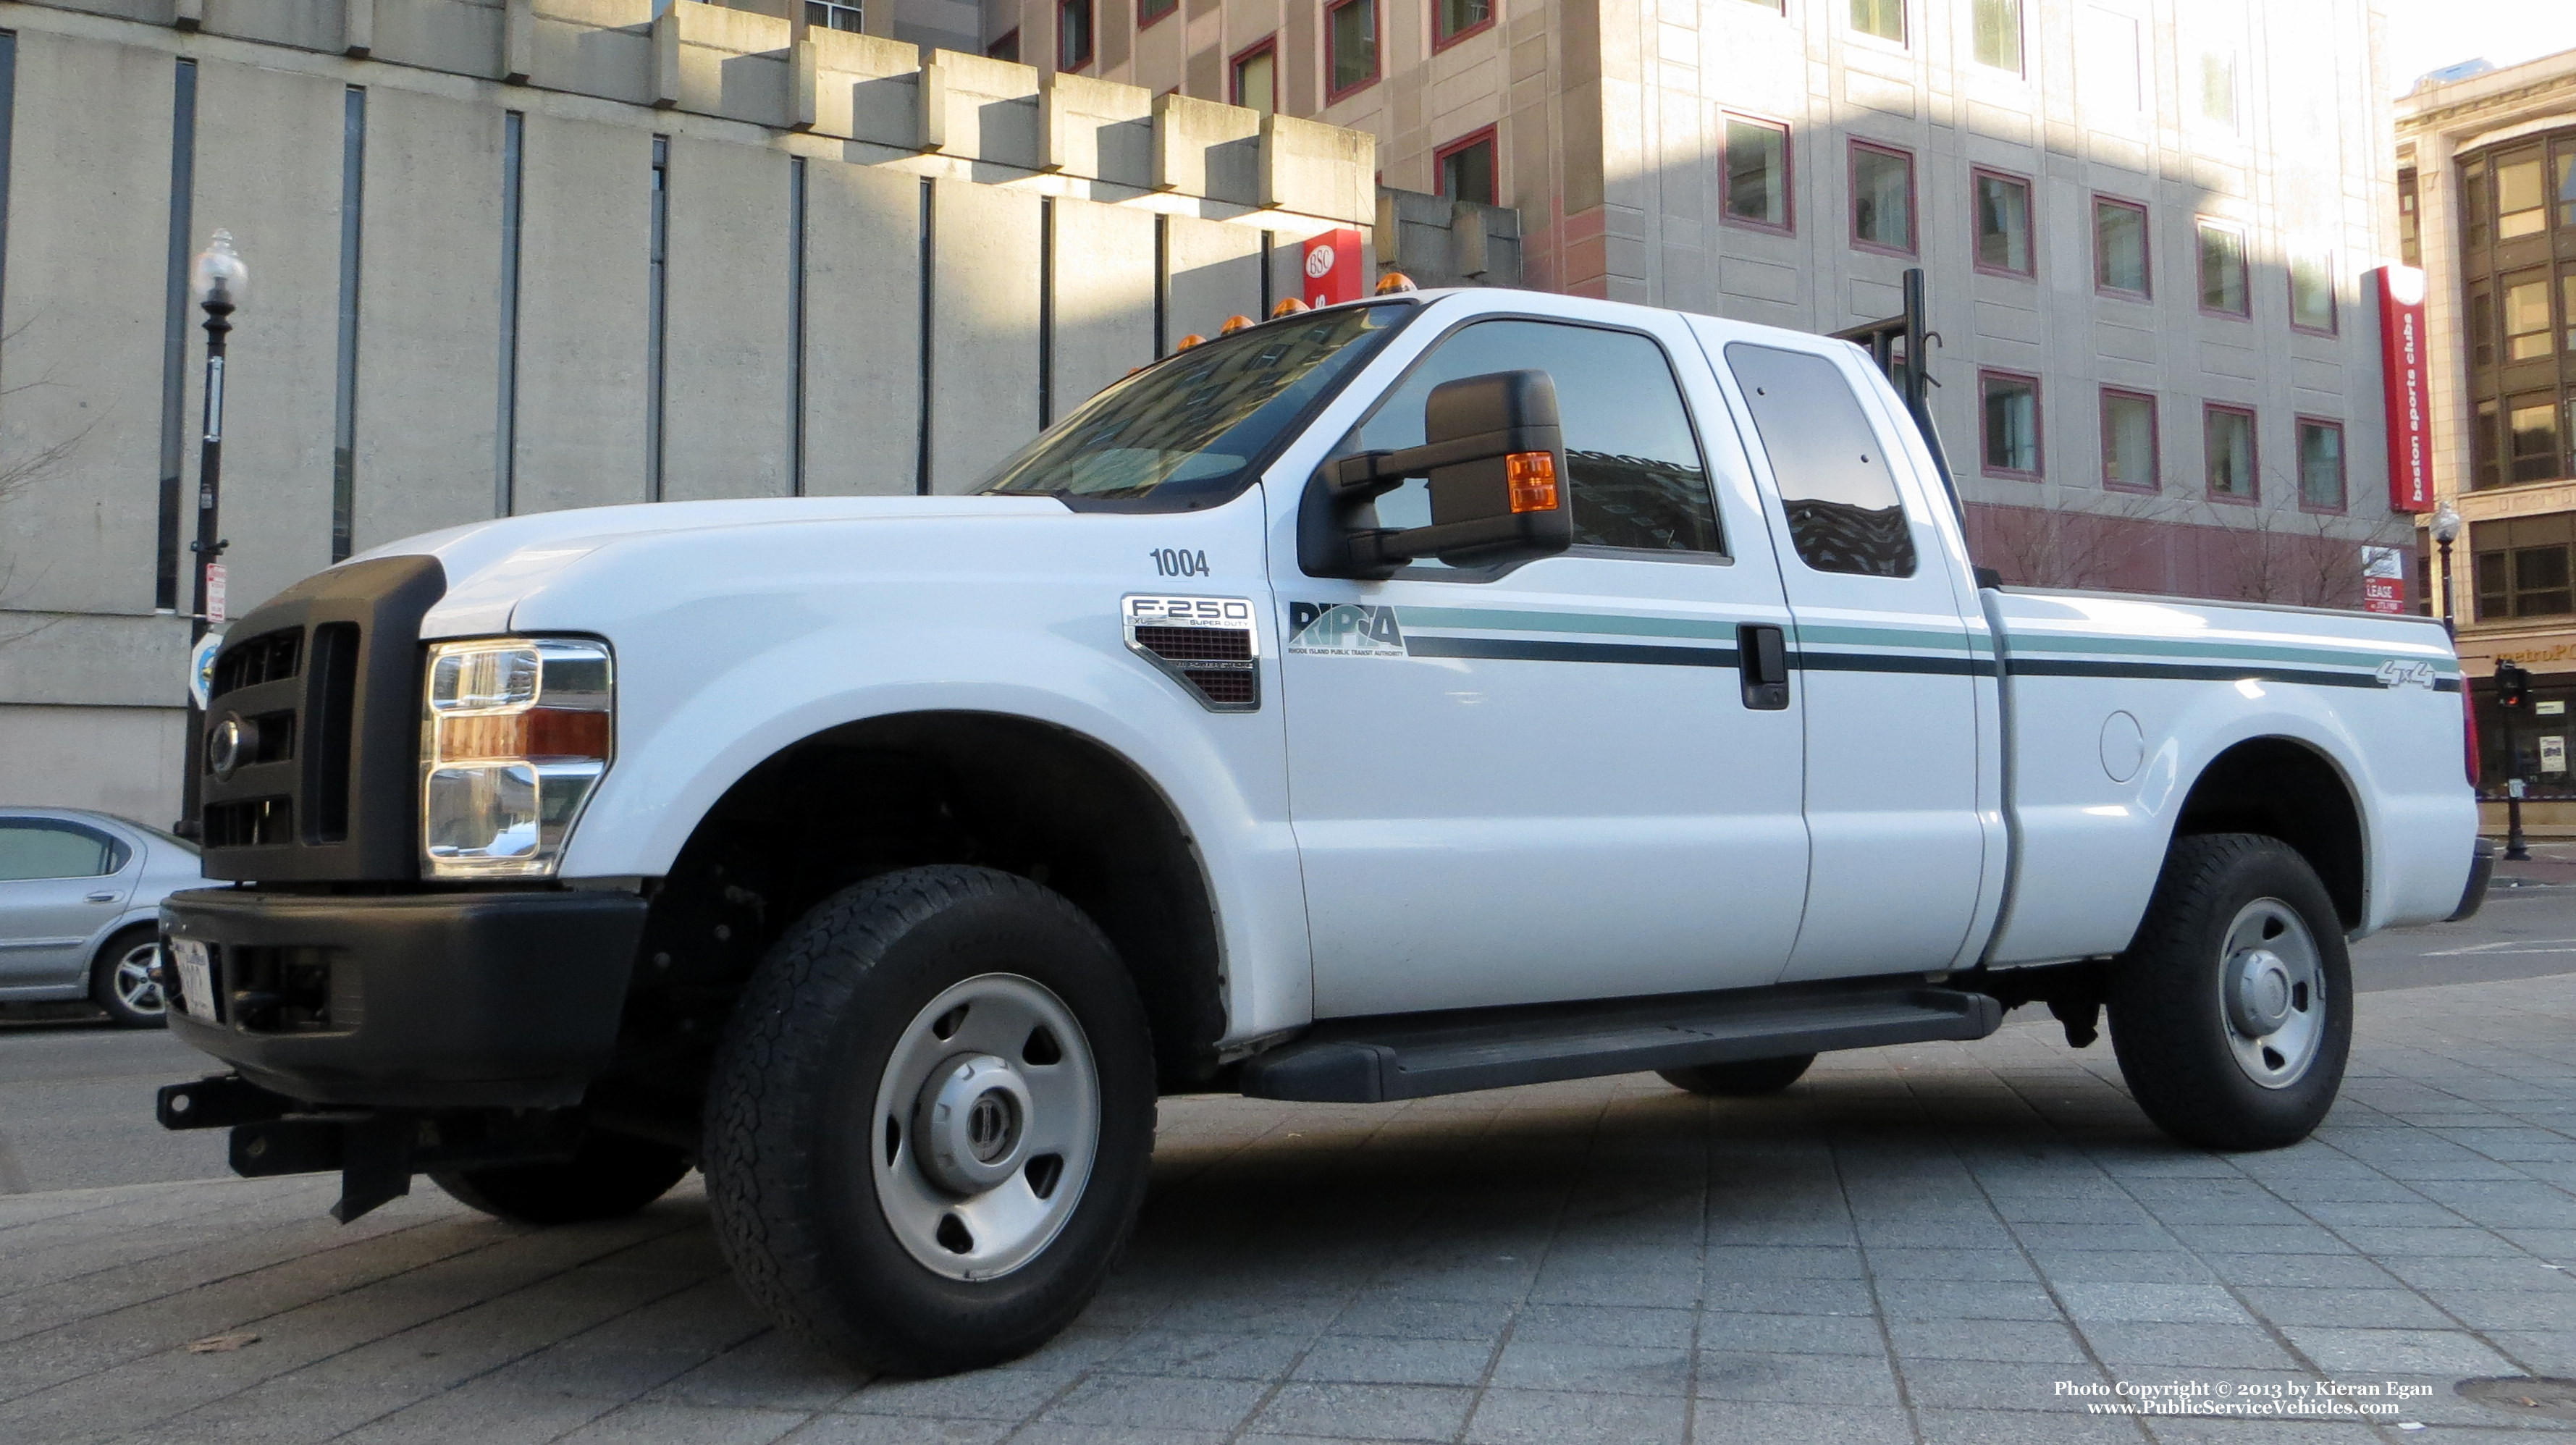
(1414,1056)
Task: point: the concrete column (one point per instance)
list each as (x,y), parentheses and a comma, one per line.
(984,330)
(1104,297)
(862,330)
(268,170)
(584,270)
(84,315)
(428,315)
(1216,273)
(726,399)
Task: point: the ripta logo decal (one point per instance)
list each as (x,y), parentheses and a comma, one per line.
(1344,629)
(2394,673)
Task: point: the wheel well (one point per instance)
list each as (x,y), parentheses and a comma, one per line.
(899,792)
(2285,790)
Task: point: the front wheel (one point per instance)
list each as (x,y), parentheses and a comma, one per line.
(2232,1011)
(123,981)
(930,1122)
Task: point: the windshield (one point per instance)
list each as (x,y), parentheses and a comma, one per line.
(1189,430)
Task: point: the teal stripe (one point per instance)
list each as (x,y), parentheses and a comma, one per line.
(1496,619)
(2020,645)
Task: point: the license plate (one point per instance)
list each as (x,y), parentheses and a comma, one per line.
(196,978)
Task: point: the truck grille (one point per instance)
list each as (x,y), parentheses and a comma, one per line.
(321,696)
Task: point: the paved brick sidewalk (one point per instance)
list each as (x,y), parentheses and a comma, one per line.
(1917,1244)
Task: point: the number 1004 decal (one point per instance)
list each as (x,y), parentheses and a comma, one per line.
(1179,562)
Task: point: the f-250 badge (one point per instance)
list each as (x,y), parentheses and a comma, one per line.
(1344,629)
(2394,673)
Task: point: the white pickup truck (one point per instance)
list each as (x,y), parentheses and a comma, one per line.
(1434,693)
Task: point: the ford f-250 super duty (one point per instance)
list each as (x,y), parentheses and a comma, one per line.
(1434,693)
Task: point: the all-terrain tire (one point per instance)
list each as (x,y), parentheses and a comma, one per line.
(2192,1059)
(800,1166)
(1743,1079)
(609,1177)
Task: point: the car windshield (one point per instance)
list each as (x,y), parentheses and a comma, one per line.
(1189,430)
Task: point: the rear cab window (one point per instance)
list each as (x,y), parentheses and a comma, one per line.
(1836,486)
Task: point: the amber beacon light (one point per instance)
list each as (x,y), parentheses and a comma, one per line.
(1533,480)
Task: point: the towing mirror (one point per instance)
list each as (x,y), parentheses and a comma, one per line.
(1495,459)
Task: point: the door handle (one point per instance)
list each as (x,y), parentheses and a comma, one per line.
(1762,654)
(102,898)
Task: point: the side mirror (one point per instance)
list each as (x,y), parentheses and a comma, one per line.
(1495,458)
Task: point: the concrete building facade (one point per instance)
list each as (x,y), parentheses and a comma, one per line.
(2487,188)
(546,253)
(2145,223)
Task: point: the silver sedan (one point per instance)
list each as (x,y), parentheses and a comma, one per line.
(80,902)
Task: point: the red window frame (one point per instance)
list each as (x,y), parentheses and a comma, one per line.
(1913,199)
(2146,246)
(1090,34)
(1234,69)
(1788,224)
(2029,215)
(2254,449)
(1009,38)
(2244,263)
(2038,427)
(2343,463)
(1143,20)
(2155,438)
(1377,49)
(1492,14)
(2334,302)
(1489,136)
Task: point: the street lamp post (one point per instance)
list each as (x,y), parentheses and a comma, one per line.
(2445,528)
(219,281)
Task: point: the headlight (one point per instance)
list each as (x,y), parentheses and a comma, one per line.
(513,742)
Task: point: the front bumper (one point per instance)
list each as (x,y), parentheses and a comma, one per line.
(2481,873)
(415,1001)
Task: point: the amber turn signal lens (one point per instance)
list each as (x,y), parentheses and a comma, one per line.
(1288,306)
(1394,283)
(1533,480)
(537,732)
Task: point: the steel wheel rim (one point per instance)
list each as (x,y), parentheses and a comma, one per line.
(986,1126)
(133,980)
(2272,993)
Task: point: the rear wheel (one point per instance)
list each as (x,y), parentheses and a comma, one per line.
(123,980)
(2232,1011)
(929,1125)
(610,1176)
(1743,1079)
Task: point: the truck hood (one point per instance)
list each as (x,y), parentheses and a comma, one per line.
(492,565)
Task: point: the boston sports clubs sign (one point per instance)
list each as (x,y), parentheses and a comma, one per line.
(2401,369)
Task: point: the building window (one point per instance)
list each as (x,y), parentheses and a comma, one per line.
(2222,270)
(2526,316)
(2129,460)
(2482,445)
(2520,566)
(2531,425)
(1882,18)
(1882,183)
(1350,47)
(2410,240)
(2474,204)
(2003,224)
(1451,19)
(1756,174)
(830,15)
(2320,465)
(2522,196)
(1072,34)
(1149,11)
(2011,407)
(2227,437)
(1466,169)
(2312,292)
(2120,248)
(1999,34)
(1255,78)
(2218,88)
(1005,47)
